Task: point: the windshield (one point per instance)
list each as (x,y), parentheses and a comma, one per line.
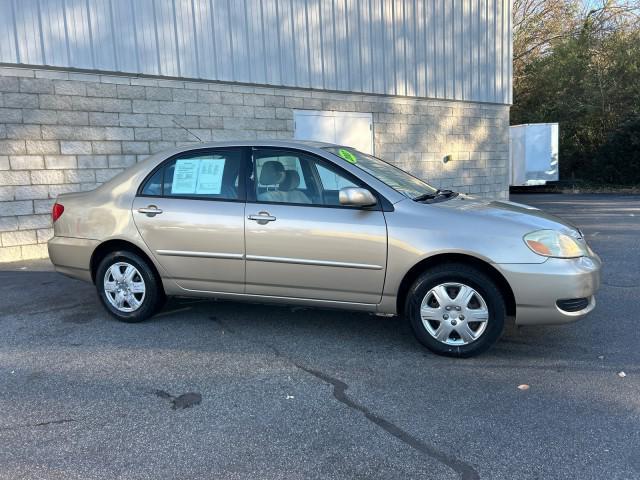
(397,179)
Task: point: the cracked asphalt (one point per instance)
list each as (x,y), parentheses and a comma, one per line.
(227,390)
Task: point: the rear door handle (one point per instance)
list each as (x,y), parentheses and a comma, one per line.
(262,218)
(150,211)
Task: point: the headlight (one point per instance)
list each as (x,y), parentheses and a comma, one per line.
(550,243)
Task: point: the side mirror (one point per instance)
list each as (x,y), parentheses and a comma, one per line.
(356,197)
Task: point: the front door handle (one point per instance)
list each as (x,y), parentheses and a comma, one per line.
(262,218)
(150,211)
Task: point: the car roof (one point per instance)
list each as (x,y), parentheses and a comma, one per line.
(260,142)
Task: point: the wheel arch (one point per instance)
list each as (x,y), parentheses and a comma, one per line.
(118,244)
(439,259)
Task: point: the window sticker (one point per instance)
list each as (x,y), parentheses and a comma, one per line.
(210,176)
(348,156)
(202,176)
(185,176)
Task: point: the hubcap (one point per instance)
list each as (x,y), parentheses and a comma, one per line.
(124,287)
(454,313)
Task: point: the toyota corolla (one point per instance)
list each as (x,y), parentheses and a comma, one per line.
(316,224)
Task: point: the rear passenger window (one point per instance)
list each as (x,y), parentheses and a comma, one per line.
(213,175)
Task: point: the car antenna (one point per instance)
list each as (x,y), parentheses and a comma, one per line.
(186,130)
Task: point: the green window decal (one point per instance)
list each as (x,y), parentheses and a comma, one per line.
(348,156)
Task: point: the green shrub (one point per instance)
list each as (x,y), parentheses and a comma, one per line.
(617,161)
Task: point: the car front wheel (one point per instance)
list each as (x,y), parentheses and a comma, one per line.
(127,287)
(456,310)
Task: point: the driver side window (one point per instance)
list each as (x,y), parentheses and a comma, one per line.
(296,178)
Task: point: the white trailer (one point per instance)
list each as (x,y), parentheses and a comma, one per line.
(533,154)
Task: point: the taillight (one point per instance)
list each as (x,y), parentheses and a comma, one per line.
(57,211)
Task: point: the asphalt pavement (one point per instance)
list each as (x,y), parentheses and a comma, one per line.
(227,390)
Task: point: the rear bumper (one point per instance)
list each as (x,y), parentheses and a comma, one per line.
(537,288)
(72,256)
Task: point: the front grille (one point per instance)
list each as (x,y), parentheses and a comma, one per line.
(573,304)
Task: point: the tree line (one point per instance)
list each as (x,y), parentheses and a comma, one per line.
(578,63)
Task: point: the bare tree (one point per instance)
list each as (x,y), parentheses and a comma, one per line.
(609,15)
(537,24)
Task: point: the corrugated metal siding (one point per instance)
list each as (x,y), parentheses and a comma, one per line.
(450,49)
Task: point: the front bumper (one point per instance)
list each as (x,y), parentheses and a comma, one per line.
(537,288)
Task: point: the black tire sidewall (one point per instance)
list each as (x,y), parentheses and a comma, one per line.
(473,278)
(153,296)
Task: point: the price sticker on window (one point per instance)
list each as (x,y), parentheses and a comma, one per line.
(348,156)
(201,176)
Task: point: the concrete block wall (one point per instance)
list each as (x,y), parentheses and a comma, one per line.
(64,131)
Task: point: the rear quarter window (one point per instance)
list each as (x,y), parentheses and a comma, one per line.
(153,185)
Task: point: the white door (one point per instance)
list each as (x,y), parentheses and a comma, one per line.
(353,129)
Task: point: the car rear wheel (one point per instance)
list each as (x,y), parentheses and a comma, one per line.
(456,310)
(127,287)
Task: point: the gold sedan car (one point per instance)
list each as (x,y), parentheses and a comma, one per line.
(323,225)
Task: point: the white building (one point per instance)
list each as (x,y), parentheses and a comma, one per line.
(88,87)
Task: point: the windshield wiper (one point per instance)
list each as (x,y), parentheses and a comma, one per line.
(447,193)
(425,196)
(436,194)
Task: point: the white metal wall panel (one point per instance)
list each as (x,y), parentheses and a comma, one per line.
(203,34)
(7,33)
(450,49)
(125,36)
(377,58)
(273,51)
(100,25)
(342,46)
(28,37)
(147,51)
(388,52)
(222,39)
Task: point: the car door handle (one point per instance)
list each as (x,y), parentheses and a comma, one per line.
(150,211)
(262,218)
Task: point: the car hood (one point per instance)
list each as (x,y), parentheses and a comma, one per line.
(530,218)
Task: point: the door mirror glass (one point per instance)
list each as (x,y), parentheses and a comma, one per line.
(356,197)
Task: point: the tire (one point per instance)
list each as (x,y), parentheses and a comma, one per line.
(141,296)
(456,329)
